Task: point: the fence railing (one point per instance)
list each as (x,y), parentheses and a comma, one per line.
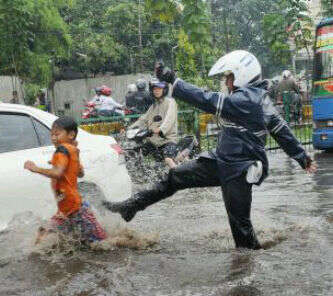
(297,113)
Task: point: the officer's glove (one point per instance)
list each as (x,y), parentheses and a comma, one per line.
(164,73)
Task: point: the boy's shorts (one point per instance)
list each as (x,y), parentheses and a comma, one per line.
(83,221)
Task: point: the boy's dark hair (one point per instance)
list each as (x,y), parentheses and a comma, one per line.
(67,123)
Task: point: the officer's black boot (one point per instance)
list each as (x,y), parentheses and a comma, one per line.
(139,201)
(128,208)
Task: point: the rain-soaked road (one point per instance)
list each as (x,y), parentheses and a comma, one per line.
(194,254)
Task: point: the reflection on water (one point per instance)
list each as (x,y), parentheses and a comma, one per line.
(183,245)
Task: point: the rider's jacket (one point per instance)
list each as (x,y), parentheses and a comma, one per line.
(162,114)
(105,103)
(288,85)
(141,101)
(246,116)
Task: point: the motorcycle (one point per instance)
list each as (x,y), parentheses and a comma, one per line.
(90,111)
(145,163)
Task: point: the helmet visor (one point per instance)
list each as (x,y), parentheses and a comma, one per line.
(159,85)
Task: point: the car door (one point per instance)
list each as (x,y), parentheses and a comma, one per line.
(23,138)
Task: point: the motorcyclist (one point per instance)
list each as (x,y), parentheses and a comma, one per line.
(105,104)
(142,99)
(161,119)
(130,98)
(239,161)
(289,85)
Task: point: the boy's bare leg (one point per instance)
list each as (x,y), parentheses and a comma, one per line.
(41,234)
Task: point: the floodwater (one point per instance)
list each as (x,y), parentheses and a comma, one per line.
(183,246)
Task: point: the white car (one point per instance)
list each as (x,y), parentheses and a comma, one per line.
(25,135)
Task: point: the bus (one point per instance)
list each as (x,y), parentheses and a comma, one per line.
(322,91)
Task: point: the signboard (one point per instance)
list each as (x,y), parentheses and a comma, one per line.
(323,86)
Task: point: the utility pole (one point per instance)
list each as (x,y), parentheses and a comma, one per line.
(140,36)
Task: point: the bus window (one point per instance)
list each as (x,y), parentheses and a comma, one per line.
(324,64)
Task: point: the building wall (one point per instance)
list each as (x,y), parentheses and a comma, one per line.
(7,85)
(70,96)
(315,10)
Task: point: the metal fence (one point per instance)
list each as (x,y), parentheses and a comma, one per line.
(296,112)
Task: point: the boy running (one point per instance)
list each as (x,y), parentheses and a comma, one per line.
(66,168)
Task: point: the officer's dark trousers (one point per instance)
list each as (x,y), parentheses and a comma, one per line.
(237,195)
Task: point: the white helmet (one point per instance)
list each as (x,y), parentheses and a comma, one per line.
(286,74)
(242,64)
(132,88)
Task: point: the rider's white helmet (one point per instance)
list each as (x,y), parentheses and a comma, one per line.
(132,87)
(286,74)
(243,64)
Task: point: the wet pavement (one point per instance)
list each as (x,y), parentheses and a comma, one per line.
(184,245)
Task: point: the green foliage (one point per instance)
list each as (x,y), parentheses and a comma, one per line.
(163,10)
(238,24)
(30,93)
(87,37)
(276,36)
(327,8)
(196,21)
(34,32)
(185,61)
(288,22)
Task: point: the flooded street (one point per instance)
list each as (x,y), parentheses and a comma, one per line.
(194,252)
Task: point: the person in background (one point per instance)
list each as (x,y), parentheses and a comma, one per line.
(105,104)
(288,83)
(40,102)
(15,99)
(142,99)
(72,214)
(289,95)
(130,98)
(161,119)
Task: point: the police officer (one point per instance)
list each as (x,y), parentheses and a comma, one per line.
(239,161)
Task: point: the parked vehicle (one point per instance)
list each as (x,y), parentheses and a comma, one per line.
(322,94)
(25,134)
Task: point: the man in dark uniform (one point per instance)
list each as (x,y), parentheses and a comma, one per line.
(239,161)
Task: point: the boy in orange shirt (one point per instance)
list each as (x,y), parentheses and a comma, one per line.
(72,213)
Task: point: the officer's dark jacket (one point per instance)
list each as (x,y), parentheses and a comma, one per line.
(246,116)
